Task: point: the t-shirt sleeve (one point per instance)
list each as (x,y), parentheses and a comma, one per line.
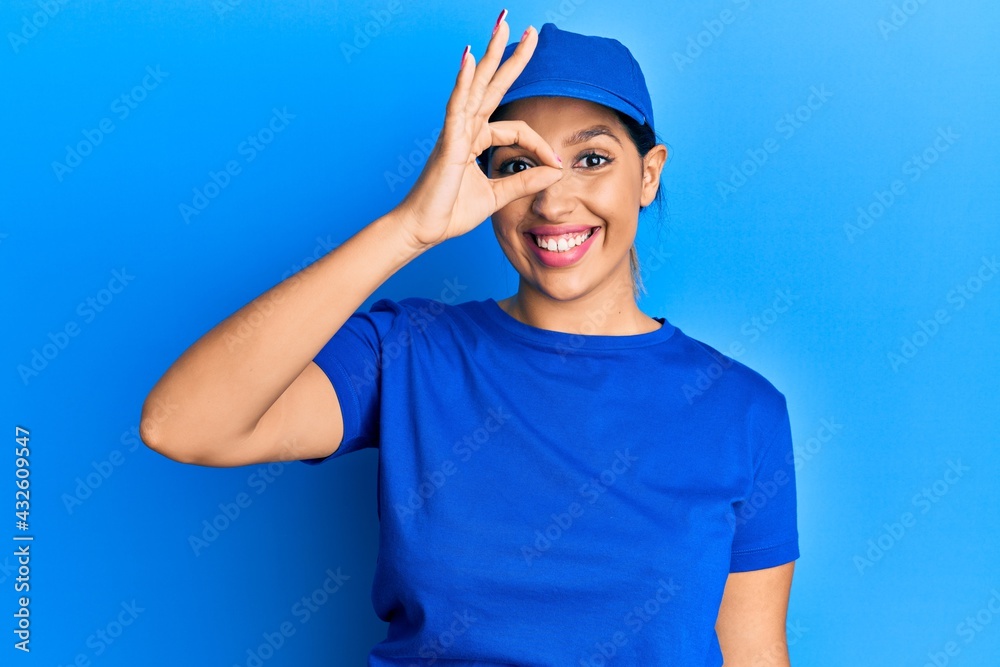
(352,360)
(766,529)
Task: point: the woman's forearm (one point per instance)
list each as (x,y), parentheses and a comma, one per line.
(214,394)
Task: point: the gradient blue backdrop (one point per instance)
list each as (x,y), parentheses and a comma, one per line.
(810,111)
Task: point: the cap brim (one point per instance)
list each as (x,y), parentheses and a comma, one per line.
(575,90)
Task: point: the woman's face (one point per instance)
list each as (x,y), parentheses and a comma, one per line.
(604,182)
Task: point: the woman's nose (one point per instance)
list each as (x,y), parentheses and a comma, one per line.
(555,201)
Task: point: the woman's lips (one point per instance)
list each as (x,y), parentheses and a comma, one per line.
(560,259)
(556,230)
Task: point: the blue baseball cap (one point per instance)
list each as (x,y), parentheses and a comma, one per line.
(597,69)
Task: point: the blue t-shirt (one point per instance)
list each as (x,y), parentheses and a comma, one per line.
(548,498)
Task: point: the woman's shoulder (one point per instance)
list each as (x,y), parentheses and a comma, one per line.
(422,312)
(709,367)
(416,304)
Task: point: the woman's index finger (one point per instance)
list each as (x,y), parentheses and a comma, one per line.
(487,66)
(510,70)
(518,132)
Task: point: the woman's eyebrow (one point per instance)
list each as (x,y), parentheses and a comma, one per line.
(589,133)
(577,137)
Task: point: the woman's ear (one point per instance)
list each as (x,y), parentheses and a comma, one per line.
(652,167)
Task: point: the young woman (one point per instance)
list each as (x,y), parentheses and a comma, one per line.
(563,480)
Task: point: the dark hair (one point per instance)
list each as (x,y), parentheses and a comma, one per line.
(644,139)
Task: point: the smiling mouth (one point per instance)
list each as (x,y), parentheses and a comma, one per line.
(562,242)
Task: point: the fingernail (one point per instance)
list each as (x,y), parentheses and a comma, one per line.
(464,53)
(560,160)
(499,21)
(526,33)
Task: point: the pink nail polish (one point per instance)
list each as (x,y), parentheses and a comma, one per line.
(503,14)
(468,47)
(527,30)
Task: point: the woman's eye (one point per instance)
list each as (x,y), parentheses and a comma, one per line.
(589,160)
(503,168)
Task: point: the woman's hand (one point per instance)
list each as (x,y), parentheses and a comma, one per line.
(452,195)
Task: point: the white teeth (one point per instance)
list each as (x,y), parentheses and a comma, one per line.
(562,244)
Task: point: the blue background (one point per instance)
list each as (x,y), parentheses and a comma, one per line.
(872,435)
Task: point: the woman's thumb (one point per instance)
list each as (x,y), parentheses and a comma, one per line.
(524,183)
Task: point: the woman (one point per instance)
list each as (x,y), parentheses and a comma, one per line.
(563,480)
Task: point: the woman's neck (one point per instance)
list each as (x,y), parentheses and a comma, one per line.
(611,311)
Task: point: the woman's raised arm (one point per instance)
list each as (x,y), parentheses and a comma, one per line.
(248,391)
